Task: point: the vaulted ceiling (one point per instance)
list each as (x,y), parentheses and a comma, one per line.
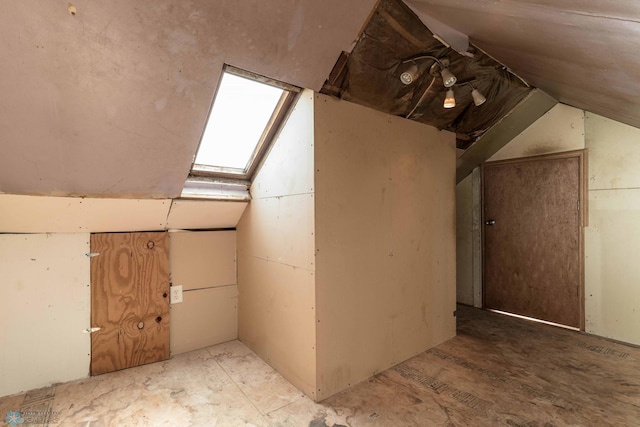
(110,98)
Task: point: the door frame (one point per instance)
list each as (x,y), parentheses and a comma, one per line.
(583,214)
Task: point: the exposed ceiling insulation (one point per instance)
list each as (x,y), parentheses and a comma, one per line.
(370,75)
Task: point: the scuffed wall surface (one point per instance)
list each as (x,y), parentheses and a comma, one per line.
(559,129)
(612,293)
(44,310)
(385,241)
(276,265)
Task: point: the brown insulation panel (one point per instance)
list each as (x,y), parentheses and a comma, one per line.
(371,76)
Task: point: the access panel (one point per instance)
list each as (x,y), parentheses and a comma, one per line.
(129,300)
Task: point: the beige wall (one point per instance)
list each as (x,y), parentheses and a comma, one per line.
(204,264)
(385,241)
(560,129)
(346,252)
(42,214)
(46,304)
(44,310)
(464,241)
(276,266)
(612,240)
(612,237)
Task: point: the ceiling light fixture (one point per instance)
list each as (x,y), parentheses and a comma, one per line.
(449,99)
(440,67)
(448,79)
(409,75)
(478,98)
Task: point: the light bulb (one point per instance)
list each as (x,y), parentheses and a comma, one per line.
(448,79)
(478,98)
(449,99)
(408,76)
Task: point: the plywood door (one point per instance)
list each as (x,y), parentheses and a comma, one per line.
(129,300)
(532,239)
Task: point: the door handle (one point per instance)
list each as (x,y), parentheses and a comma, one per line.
(490,222)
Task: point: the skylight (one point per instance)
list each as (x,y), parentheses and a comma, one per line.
(244,118)
(239,115)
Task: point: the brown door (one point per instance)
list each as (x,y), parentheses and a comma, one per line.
(129,300)
(532,239)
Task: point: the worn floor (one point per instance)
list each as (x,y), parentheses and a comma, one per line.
(497,371)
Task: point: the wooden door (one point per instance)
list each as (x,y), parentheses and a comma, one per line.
(532,244)
(129,300)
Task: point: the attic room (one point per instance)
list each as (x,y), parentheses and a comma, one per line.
(435,222)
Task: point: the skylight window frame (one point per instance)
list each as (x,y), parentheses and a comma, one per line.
(278,117)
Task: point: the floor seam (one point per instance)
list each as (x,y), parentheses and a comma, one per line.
(262,415)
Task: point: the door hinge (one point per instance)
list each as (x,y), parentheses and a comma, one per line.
(578,205)
(92,254)
(91,330)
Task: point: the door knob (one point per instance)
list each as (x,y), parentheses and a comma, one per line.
(490,222)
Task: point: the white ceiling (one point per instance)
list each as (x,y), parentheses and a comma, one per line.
(111,101)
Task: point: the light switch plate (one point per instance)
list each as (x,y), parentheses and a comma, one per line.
(176,294)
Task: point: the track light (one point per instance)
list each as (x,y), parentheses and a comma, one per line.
(478,98)
(449,99)
(448,79)
(409,75)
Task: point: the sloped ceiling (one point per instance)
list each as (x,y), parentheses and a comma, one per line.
(110,98)
(584,53)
